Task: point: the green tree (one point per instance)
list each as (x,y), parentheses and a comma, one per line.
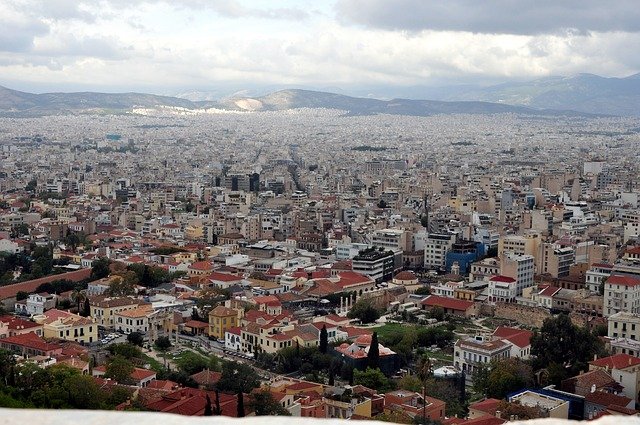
(120,369)
(324,340)
(373,355)
(240,413)
(99,268)
(83,392)
(364,311)
(22,295)
(163,344)
(126,350)
(238,377)
(262,403)
(86,308)
(135,338)
(374,379)
(208,409)
(423,290)
(120,286)
(560,341)
(503,377)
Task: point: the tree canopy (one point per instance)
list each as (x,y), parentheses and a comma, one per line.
(364,311)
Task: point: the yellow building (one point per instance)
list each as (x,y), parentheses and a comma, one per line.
(68,326)
(193,232)
(104,309)
(222,319)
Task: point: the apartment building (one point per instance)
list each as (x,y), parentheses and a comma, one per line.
(518,267)
(621,293)
(436,246)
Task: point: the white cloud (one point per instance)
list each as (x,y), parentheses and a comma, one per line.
(156,45)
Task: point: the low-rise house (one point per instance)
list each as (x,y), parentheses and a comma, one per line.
(35,304)
(549,406)
(469,353)
(449,305)
(134,320)
(414,404)
(68,326)
(222,319)
(233,339)
(520,340)
(625,369)
(29,344)
(104,309)
(139,377)
(17,326)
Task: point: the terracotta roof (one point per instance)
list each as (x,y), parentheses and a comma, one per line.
(196,324)
(617,279)
(31,340)
(607,399)
(349,278)
(500,278)
(450,303)
(222,311)
(617,361)
(549,291)
(518,337)
(206,377)
(201,265)
(489,405)
(224,277)
(405,275)
(16,323)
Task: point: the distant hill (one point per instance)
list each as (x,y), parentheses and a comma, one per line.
(21,103)
(584,92)
(292,99)
(16,103)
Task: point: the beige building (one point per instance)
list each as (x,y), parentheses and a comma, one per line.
(68,326)
(104,309)
(528,244)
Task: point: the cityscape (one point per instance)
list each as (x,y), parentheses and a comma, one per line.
(470,259)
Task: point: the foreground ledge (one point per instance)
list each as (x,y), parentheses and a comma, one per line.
(100,417)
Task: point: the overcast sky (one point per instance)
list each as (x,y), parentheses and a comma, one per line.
(169,46)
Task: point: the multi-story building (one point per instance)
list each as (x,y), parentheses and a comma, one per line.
(624,325)
(436,246)
(36,304)
(104,309)
(221,319)
(70,327)
(134,320)
(392,239)
(621,293)
(527,244)
(379,265)
(469,353)
(555,259)
(596,275)
(518,267)
(502,289)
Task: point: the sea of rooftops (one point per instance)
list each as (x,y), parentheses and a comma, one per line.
(271,226)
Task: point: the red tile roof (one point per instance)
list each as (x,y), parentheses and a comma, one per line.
(16,323)
(617,361)
(518,337)
(201,265)
(485,420)
(617,279)
(500,278)
(224,277)
(489,405)
(450,303)
(349,278)
(607,399)
(33,341)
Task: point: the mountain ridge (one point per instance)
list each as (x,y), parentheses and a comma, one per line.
(17,103)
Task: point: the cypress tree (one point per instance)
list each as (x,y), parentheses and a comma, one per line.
(324,340)
(240,405)
(373,356)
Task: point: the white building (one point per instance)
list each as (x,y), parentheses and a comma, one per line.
(518,267)
(502,289)
(10,247)
(435,249)
(621,293)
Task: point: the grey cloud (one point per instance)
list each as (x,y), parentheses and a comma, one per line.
(493,16)
(18,35)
